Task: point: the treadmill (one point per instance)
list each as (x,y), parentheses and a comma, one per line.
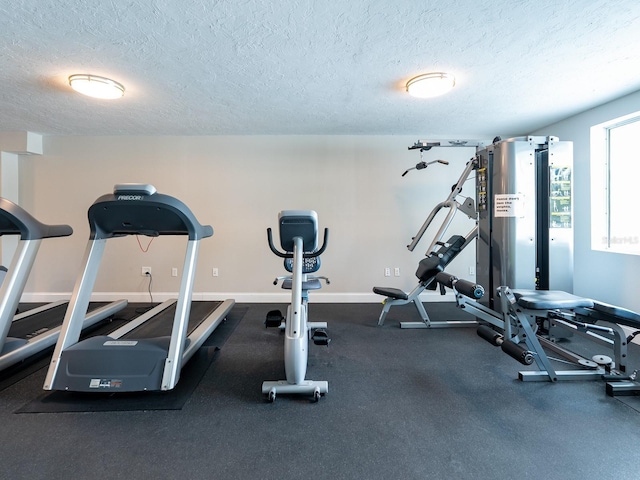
(148,353)
(29,333)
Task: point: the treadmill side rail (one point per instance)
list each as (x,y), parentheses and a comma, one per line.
(206,327)
(14,282)
(173,363)
(49,338)
(72,325)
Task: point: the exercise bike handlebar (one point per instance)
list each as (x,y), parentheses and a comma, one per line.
(280,254)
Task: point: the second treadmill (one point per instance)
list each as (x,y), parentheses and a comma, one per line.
(24,335)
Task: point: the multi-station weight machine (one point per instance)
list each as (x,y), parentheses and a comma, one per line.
(521,298)
(522,210)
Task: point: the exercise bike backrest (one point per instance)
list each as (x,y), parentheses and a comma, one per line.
(309,265)
(303,224)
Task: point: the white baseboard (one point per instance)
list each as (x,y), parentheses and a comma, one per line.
(239,297)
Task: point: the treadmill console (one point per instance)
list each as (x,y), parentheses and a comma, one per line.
(133,189)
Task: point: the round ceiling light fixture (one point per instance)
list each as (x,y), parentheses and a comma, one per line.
(97,87)
(430,84)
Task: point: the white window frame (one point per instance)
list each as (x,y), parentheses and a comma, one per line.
(602,237)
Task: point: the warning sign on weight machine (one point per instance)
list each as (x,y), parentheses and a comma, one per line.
(508,205)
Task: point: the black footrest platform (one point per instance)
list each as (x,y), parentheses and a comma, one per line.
(320,337)
(274,319)
(391,292)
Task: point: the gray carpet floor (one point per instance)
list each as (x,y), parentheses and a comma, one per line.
(402,404)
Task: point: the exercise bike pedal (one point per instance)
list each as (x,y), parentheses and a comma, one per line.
(320,337)
(274,319)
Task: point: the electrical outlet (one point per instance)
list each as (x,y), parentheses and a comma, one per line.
(145,271)
(174,272)
(396,271)
(215,272)
(387,272)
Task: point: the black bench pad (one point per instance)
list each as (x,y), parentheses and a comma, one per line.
(552,299)
(436,262)
(391,292)
(549,299)
(619,315)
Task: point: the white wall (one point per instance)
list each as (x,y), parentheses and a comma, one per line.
(608,277)
(238,184)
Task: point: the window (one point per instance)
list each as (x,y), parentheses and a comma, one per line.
(615,173)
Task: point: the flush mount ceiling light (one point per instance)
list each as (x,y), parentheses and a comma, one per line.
(430,84)
(97,87)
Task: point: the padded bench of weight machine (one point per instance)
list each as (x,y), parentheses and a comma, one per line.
(428,268)
(596,312)
(556,299)
(585,309)
(581,313)
(395,293)
(550,300)
(611,313)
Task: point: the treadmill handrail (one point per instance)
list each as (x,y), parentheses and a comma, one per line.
(15,220)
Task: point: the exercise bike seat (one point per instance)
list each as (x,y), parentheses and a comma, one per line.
(311,283)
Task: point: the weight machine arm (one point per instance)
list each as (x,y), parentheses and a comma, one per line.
(468,208)
(422,165)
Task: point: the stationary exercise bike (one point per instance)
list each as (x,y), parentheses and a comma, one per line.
(299,242)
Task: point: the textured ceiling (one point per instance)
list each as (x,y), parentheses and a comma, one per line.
(206,67)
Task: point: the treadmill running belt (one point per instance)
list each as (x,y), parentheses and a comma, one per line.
(161,324)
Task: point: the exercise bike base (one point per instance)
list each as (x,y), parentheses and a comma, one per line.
(307,387)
